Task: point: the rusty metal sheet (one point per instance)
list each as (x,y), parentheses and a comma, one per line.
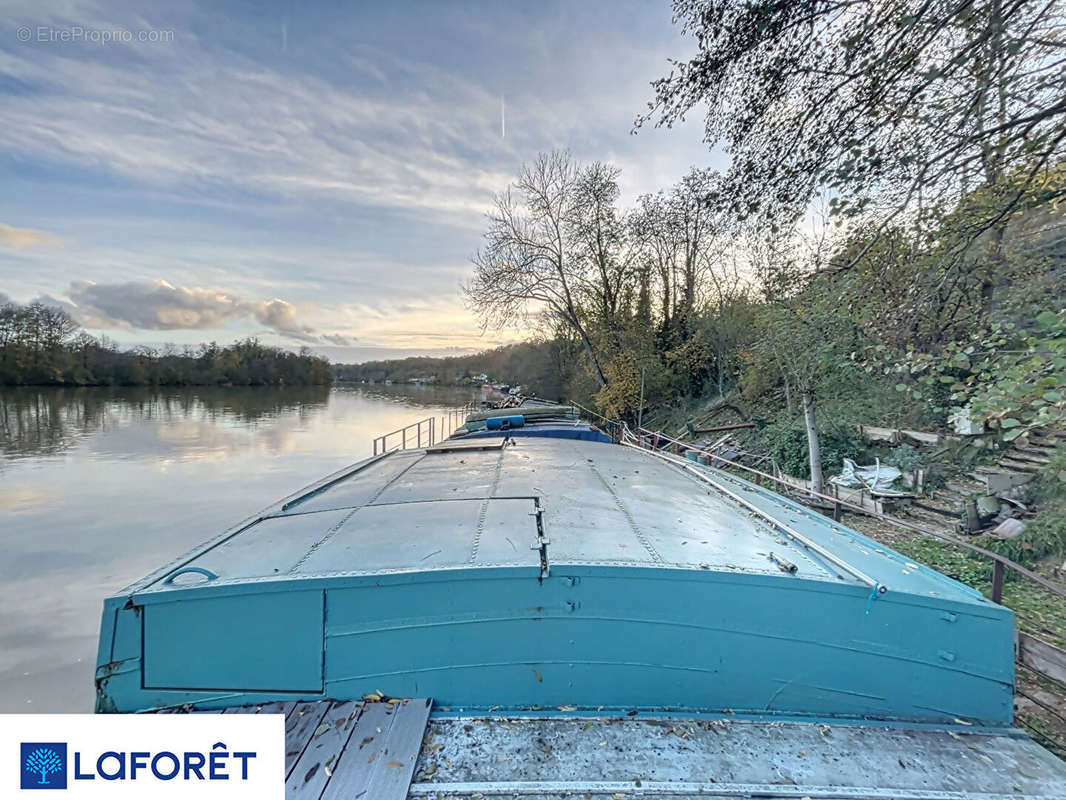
(684,757)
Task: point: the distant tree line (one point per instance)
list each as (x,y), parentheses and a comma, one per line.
(41,345)
(537,366)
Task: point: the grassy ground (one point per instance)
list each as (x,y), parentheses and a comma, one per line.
(1040,705)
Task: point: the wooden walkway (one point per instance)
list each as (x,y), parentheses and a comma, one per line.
(347,750)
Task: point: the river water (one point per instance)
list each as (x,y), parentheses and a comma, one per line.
(98,487)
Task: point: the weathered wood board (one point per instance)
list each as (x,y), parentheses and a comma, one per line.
(344,750)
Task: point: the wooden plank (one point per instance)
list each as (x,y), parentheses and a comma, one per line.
(265,708)
(997,581)
(299,726)
(392,777)
(1041,657)
(720,428)
(277,708)
(923,437)
(360,757)
(488,444)
(877,433)
(319,758)
(857,497)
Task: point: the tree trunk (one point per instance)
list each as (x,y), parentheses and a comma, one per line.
(788,400)
(721,371)
(590,353)
(814,452)
(997,264)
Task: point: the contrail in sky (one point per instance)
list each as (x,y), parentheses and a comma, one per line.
(503,120)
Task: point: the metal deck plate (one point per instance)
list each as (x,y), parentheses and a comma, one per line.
(558,572)
(603,504)
(386,751)
(614,758)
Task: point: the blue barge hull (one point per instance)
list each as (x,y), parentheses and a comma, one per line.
(537,572)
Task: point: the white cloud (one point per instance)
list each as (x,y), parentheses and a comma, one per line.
(23,237)
(161,306)
(193,118)
(187,115)
(245,140)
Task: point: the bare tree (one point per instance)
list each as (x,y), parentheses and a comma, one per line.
(599,237)
(697,219)
(528,264)
(680,233)
(56,326)
(10,325)
(730,304)
(651,227)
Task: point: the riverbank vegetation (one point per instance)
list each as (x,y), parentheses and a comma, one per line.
(41,345)
(886,247)
(814,325)
(888,244)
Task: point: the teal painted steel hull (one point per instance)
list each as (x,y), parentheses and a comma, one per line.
(590,636)
(546,573)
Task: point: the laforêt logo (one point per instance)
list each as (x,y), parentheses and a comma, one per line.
(140,756)
(44,765)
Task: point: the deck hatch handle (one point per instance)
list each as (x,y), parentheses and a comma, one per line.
(186,570)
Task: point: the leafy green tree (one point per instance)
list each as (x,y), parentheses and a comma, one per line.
(1009,377)
(805,342)
(897,106)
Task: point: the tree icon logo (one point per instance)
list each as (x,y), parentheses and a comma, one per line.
(44,765)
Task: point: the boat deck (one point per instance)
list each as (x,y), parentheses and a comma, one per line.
(544,572)
(390,751)
(465,507)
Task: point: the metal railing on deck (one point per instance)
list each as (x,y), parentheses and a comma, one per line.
(454,418)
(423,433)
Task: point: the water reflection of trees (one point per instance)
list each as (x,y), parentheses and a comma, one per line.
(50,421)
(426,395)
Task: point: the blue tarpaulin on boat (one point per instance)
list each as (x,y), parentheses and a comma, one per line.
(551,430)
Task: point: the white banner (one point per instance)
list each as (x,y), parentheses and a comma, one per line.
(142,756)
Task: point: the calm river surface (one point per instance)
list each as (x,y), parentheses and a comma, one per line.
(98,487)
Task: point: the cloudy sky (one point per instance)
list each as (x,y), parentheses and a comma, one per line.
(182,171)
